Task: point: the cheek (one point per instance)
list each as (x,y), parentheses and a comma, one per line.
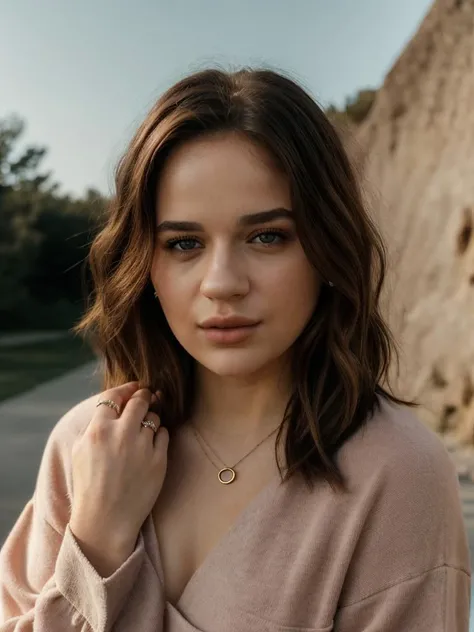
(170,287)
(294,284)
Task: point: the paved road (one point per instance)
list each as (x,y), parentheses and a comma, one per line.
(25,423)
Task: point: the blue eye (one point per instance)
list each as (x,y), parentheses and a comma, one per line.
(185,244)
(270,237)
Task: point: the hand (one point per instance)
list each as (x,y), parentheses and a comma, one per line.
(118,469)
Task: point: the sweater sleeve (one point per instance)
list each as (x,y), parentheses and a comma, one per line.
(48,585)
(46,582)
(435,601)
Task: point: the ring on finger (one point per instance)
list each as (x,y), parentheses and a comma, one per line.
(148,423)
(111,404)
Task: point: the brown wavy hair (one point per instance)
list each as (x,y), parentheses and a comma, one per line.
(342,358)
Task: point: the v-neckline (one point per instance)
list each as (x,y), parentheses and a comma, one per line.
(237,524)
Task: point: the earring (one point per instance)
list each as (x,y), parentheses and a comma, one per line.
(156,295)
(331,284)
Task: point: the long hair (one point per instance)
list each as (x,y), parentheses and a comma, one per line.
(342,358)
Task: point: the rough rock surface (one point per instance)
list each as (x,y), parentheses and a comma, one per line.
(415,152)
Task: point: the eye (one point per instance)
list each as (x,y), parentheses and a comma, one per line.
(181,244)
(270,237)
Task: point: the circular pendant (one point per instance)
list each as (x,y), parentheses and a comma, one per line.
(232,474)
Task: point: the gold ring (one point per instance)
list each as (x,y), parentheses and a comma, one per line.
(111,404)
(148,423)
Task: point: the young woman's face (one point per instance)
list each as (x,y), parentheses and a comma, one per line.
(226,246)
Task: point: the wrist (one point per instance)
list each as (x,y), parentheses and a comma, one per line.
(106,553)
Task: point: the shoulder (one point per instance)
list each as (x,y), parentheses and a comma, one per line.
(397,447)
(74,422)
(53,491)
(70,427)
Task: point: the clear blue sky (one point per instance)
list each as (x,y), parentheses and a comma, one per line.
(83,74)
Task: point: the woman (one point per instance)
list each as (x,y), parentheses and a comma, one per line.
(273,482)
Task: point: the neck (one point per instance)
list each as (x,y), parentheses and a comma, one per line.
(240,408)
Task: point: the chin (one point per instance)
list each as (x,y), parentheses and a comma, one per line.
(236,362)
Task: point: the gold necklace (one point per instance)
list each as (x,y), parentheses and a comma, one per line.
(224,469)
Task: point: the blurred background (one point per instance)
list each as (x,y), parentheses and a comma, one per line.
(397,79)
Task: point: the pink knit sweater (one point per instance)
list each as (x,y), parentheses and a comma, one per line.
(392,556)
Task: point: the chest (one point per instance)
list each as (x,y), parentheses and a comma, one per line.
(227,564)
(245,556)
(194,514)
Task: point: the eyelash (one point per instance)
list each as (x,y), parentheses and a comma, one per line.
(171,243)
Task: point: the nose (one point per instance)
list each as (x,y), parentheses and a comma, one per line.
(225,275)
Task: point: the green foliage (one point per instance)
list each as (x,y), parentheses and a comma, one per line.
(356,108)
(21,170)
(25,366)
(44,239)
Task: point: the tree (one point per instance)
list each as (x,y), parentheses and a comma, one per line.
(21,171)
(356,108)
(19,184)
(359,106)
(44,237)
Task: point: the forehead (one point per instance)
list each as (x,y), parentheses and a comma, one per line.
(223,175)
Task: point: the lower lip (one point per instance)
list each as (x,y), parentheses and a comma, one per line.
(228,336)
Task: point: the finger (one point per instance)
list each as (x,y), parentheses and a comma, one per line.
(137,400)
(135,410)
(147,432)
(120,395)
(147,436)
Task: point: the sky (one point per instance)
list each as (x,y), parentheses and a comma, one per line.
(83,74)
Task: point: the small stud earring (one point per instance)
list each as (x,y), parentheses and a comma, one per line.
(331,284)
(156,295)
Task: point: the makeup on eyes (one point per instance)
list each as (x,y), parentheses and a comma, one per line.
(283,236)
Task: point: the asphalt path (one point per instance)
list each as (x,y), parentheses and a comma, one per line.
(26,421)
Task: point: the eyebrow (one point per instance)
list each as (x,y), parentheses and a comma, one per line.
(251,219)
